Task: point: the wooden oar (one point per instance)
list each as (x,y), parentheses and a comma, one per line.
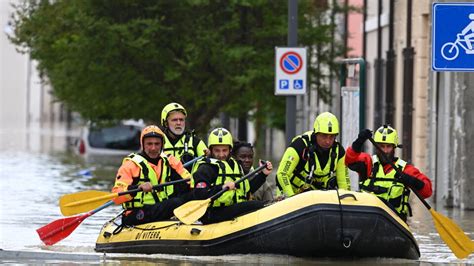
(190,212)
(84,201)
(459,243)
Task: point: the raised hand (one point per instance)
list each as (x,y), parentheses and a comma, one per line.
(364,135)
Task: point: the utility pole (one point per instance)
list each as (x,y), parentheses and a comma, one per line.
(408,58)
(290,125)
(378,82)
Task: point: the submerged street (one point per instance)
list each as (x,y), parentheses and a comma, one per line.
(37,168)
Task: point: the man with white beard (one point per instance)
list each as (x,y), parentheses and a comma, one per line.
(180,143)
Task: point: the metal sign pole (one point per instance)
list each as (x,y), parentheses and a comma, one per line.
(361,63)
(352,107)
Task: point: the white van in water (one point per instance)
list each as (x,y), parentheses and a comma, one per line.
(116,140)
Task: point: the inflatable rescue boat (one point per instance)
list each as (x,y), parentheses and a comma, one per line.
(312,224)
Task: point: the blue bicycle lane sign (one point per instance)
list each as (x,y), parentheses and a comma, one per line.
(453,37)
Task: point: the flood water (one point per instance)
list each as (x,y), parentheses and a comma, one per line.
(37,167)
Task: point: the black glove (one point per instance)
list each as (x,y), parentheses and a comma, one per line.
(364,135)
(132,187)
(410,181)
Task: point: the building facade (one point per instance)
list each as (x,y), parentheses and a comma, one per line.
(27,106)
(431,109)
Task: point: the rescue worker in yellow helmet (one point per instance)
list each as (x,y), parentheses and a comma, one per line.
(144,170)
(180,143)
(314,160)
(377,176)
(220,170)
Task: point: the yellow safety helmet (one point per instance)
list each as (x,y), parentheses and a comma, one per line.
(152,131)
(326,123)
(171,107)
(220,136)
(386,134)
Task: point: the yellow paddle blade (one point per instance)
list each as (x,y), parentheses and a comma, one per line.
(459,235)
(459,243)
(191,211)
(84,201)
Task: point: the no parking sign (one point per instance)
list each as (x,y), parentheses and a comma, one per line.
(290,71)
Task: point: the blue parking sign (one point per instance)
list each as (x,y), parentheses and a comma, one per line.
(284,84)
(453,37)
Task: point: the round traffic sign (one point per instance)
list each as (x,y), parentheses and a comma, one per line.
(291,62)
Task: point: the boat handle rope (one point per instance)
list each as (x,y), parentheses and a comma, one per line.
(156,228)
(346,241)
(119,227)
(347,195)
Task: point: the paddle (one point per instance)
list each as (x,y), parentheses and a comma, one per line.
(56,231)
(191,211)
(459,243)
(84,201)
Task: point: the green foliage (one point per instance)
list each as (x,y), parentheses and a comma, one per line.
(117,59)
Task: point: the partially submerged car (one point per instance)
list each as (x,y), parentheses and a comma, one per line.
(117,139)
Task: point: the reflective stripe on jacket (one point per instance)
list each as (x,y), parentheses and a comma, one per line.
(227,174)
(294,173)
(386,187)
(148,174)
(184,149)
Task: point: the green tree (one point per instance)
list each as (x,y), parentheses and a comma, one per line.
(116,59)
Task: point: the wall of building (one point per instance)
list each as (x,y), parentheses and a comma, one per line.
(375,105)
(27,106)
(454,146)
(448,119)
(422,66)
(442,138)
(355,29)
(400,19)
(466,136)
(420,31)
(13,73)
